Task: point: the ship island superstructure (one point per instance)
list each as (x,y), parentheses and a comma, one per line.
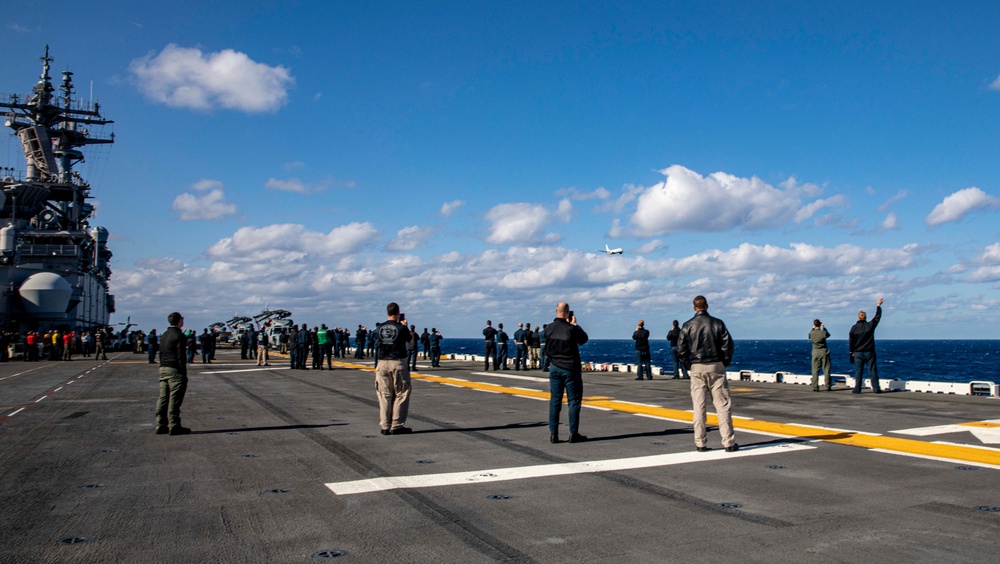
(54,266)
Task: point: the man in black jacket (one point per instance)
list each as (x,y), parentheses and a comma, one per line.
(642,356)
(173,378)
(862,343)
(706,349)
(563,338)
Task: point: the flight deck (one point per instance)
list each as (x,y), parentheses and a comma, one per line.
(289,466)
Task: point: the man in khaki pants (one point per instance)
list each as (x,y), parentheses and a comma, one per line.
(392,374)
(706,349)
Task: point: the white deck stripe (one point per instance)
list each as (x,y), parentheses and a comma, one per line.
(259,369)
(980,447)
(937,458)
(545,470)
(512,376)
(637,403)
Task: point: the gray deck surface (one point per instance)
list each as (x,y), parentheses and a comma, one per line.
(83,477)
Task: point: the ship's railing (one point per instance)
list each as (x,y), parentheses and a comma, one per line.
(973,388)
(76,105)
(48,250)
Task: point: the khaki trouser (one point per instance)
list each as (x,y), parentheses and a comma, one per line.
(821,360)
(173,384)
(261,355)
(710,379)
(392,385)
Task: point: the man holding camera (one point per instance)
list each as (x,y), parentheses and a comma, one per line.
(392,374)
(563,338)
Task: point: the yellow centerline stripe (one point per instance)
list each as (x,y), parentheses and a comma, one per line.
(952,452)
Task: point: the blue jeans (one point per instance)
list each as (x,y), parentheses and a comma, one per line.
(560,380)
(861,358)
(501,359)
(411,359)
(678,365)
(435,356)
(643,364)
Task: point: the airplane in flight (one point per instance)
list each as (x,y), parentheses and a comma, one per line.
(610,251)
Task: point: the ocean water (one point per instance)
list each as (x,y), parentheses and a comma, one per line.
(936,361)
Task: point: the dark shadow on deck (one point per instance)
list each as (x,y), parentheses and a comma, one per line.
(273,428)
(510,427)
(651,434)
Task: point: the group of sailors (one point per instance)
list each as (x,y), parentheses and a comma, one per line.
(529,347)
(301,343)
(56,344)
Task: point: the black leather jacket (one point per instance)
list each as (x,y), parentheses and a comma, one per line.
(704,339)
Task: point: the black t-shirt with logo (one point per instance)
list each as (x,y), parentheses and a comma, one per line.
(391,339)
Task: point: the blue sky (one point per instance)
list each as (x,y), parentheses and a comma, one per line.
(467,160)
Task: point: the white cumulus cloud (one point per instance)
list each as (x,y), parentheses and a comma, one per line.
(211,205)
(687,201)
(810,209)
(989,271)
(890,222)
(409,238)
(187,78)
(288,242)
(517,223)
(958,205)
(448,208)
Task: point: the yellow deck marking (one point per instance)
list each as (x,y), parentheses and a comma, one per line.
(912,447)
(983,424)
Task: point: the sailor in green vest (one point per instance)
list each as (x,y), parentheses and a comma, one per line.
(325,346)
